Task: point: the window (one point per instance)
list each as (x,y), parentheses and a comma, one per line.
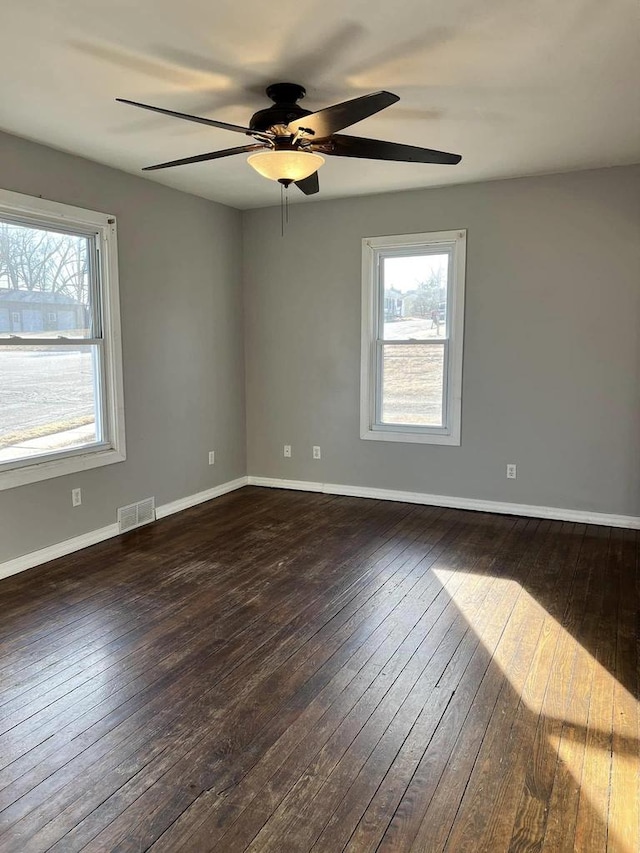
(61,399)
(412,326)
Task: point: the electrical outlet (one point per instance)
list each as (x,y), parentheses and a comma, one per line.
(212,457)
(287,451)
(317,454)
(511,471)
(76,497)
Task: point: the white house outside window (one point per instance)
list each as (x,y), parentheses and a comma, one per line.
(412,335)
(61,399)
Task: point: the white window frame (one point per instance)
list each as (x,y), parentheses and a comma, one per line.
(102,227)
(373,250)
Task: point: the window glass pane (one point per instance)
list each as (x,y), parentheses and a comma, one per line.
(415,297)
(48,399)
(412,384)
(44,283)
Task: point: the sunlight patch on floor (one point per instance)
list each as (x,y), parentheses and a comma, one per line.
(583,713)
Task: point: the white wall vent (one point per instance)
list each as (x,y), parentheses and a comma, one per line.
(135,515)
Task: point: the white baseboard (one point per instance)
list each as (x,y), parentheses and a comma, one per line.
(558,513)
(61,549)
(297,485)
(200,497)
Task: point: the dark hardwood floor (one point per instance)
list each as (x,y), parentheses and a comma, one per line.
(283,671)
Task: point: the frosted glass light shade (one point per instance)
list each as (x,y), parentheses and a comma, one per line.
(285,165)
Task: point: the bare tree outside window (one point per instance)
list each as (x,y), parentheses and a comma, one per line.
(48,393)
(61,389)
(43,261)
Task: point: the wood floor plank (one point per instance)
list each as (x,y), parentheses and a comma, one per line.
(39,727)
(562,728)
(287,672)
(245,787)
(161,594)
(490,600)
(317,793)
(408,818)
(624,803)
(593,807)
(130,715)
(52,597)
(510,657)
(380,810)
(489,807)
(252,713)
(241,646)
(570,745)
(557,707)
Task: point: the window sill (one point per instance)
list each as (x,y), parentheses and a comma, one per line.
(411,437)
(37,471)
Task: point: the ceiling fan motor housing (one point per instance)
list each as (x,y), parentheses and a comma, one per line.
(284,110)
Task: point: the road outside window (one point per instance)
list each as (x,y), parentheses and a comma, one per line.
(60,374)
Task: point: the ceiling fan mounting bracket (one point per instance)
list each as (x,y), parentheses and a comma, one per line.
(285,93)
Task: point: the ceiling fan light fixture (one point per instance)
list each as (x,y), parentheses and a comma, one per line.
(285,165)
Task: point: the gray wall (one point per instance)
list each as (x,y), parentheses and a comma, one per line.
(181,305)
(551,360)
(552,349)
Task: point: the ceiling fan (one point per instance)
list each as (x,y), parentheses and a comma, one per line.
(290,141)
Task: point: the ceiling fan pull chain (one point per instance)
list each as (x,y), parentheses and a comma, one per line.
(281,210)
(284,208)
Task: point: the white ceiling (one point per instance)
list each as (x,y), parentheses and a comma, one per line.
(517,87)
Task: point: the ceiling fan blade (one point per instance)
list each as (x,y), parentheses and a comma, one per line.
(208,121)
(328,121)
(376,149)
(200,158)
(310,185)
